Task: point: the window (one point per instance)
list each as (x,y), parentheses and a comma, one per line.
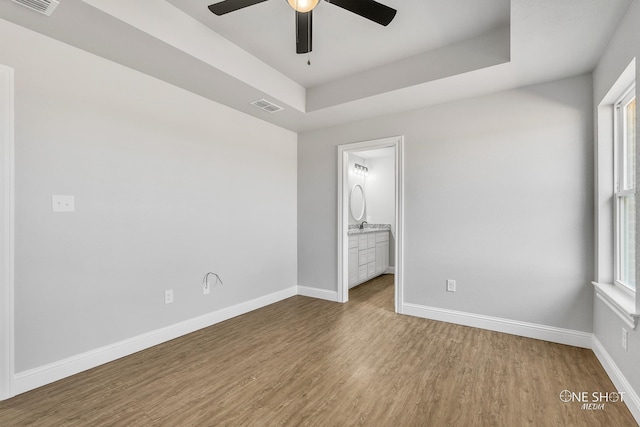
(615,197)
(625,190)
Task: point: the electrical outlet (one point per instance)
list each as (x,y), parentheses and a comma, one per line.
(206,287)
(168,296)
(625,338)
(62,203)
(451,285)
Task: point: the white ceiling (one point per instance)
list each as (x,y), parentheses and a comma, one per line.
(377,153)
(345,43)
(434,51)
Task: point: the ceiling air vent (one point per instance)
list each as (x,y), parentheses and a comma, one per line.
(45,7)
(265,105)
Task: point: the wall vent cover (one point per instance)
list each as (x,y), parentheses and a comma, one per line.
(265,105)
(45,7)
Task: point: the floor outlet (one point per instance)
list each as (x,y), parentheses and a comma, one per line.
(625,338)
(168,296)
(451,285)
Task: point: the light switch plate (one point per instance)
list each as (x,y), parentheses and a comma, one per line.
(61,203)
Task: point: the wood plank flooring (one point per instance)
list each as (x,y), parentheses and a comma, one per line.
(307,362)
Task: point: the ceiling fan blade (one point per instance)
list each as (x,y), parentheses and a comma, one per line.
(303,32)
(370,9)
(227,6)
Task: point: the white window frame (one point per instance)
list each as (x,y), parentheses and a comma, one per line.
(620,157)
(620,299)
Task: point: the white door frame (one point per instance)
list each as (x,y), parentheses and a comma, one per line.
(396,142)
(6,232)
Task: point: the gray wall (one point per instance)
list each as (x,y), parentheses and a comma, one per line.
(624,46)
(168,186)
(381,190)
(498,195)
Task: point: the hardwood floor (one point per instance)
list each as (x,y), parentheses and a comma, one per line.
(310,362)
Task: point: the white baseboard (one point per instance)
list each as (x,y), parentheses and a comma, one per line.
(37,377)
(390,270)
(514,327)
(318,293)
(631,398)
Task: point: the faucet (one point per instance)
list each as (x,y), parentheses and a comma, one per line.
(362,225)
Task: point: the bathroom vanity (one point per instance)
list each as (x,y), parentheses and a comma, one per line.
(368,252)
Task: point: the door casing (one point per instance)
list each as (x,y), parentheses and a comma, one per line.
(396,142)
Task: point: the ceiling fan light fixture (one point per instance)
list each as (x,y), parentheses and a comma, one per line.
(303,6)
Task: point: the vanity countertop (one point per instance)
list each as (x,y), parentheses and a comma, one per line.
(368,228)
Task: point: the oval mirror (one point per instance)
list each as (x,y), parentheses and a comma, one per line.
(357,202)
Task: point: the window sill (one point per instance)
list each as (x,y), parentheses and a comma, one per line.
(623,304)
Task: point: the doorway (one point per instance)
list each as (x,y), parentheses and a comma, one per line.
(394,147)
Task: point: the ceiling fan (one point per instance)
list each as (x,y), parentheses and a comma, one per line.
(368,9)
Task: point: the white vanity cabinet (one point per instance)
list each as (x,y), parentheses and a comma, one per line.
(382,252)
(368,256)
(353,260)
